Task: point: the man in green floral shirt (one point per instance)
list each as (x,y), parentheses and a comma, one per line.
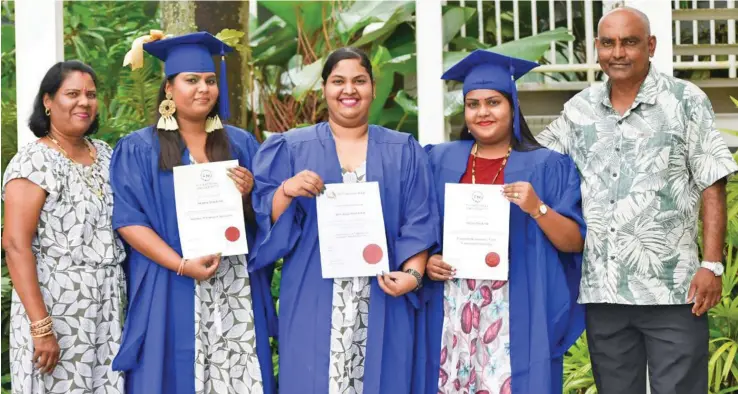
(647,149)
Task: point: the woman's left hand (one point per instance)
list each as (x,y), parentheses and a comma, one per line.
(397,283)
(243,179)
(522,195)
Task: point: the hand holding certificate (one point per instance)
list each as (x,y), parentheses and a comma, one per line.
(476,231)
(351,230)
(209,210)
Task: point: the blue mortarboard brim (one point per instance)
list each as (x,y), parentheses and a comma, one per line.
(483,69)
(194,53)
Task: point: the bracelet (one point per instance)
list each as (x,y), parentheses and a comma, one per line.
(181,266)
(37,335)
(44,330)
(418,278)
(46,321)
(41,333)
(284,192)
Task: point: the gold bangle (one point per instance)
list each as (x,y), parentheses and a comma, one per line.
(42,326)
(46,334)
(181,266)
(36,334)
(39,332)
(41,323)
(284,192)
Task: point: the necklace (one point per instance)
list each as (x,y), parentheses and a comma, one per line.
(474,163)
(95,186)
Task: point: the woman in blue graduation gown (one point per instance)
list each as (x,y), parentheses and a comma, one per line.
(198,325)
(349,335)
(505,337)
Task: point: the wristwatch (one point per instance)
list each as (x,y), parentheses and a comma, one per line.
(418,278)
(542,210)
(715,266)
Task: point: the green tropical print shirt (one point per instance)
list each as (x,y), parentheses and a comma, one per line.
(642,174)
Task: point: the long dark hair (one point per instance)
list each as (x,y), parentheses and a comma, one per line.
(38,122)
(344,54)
(527,143)
(171,144)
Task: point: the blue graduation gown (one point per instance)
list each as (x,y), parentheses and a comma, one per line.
(400,166)
(545,319)
(157,352)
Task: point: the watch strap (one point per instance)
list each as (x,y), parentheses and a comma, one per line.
(538,211)
(418,277)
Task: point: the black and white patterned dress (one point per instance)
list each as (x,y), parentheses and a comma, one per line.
(349,322)
(78,258)
(225,334)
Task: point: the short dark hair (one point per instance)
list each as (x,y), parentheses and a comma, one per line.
(344,54)
(38,122)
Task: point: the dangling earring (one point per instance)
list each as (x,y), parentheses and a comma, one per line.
(167,109)
(47,111)
(213,123)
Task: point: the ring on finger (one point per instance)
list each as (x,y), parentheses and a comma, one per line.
(516,195)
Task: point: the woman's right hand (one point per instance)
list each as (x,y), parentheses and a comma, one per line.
(437,269)
(46,353)
(305,184)
(202,268)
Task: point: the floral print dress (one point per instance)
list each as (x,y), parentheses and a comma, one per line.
(78,263)
(349,322)
(475,346)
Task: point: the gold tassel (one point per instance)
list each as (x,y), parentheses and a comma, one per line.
(213,123)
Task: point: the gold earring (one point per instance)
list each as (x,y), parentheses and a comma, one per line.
(213,123)
(166,110)
(47,111)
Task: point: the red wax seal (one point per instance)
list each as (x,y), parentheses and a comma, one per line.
(492,259)
(232,234)
(372,254)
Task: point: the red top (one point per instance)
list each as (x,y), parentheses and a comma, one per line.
(486,170)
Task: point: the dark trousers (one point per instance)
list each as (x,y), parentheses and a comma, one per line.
(623,339)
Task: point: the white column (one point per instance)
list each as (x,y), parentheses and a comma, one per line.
(429,41)
(39,44)
(659,14)
(253,7)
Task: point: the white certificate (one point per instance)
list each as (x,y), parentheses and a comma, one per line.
(351,230)
(209,210)
(476,230)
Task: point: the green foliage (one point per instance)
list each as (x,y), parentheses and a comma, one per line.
(578,376)
(385,30)
(99,34)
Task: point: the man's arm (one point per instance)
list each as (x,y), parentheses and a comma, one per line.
(556,135)
(714,221)
(706,288)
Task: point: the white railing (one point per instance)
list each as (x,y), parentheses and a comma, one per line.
(686,57)
(692,51)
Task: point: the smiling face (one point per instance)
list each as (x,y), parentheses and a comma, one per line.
(74,106)
(488,116)
(194,94)
(349,92)
(624,45)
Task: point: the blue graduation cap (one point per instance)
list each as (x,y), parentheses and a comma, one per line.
(488,70)
(194,53)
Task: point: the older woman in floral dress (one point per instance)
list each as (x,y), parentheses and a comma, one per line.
(62,253)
